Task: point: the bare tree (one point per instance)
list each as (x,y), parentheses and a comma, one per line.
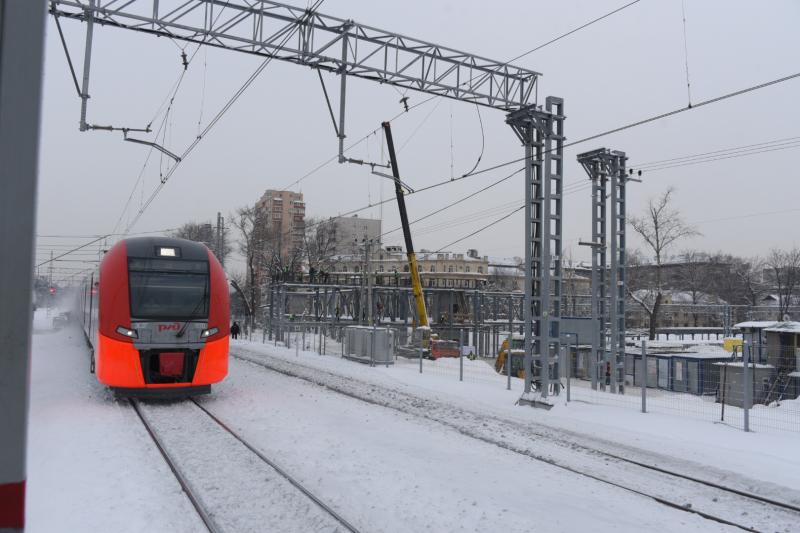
(660,227)
(748,274)
(785,269)
(695,277)
(249,221)
(319,244)
(207,234)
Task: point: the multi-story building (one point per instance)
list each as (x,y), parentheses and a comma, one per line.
(346,234)
(389,265)
(284,215)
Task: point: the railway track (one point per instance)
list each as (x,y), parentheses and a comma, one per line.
(712,500)
(237,487)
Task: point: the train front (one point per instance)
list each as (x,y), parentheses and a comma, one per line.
(164,318)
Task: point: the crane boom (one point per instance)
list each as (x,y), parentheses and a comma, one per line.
(416,285)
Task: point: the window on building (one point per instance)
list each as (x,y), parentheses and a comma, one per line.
(467,269)
(480,270)
(433,268)
(380,269)
(450,268)
(405,268)
(357,269)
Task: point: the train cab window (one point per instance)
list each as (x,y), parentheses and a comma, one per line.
(168,289)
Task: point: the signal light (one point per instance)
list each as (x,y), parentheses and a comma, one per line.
(164,251)
(209,332)
(130,333)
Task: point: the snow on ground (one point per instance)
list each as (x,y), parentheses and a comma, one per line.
(91,464)
(719,449)
(387,471)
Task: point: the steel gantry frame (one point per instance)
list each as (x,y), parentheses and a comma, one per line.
(342,46)
(607,168)
(541,132)
(322,42)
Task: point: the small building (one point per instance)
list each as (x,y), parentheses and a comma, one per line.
(775,363)
(678,370)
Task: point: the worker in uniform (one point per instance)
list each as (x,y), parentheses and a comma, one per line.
(235,330)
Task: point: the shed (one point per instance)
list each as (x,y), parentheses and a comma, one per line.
(753,334)
(692,372)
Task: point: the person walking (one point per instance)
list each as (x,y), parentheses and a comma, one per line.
(235,330)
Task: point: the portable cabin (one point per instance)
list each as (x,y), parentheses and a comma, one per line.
(692,372)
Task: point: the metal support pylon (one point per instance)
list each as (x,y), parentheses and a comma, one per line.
(542,135)
(607,167)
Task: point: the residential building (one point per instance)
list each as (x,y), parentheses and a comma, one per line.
(284,215)
(437,269)
(346,234)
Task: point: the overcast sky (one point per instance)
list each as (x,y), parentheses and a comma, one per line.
(627,67)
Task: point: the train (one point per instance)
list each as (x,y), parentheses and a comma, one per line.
(156,314)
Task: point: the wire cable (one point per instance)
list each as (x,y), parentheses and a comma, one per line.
(487,226)
(217,117)
(586,25)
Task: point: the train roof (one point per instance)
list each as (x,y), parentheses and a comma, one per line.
(152,247)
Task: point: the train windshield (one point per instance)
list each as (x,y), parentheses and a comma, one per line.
(168,289)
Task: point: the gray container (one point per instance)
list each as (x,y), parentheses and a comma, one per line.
(360,345)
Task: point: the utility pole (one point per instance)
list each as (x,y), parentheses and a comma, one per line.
(21,60)
(367,267)
(220,239)
(50,272)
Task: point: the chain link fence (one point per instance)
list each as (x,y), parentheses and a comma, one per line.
(748,386)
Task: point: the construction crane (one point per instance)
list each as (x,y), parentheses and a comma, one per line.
(416,284)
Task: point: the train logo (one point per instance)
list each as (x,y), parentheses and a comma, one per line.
(169,327)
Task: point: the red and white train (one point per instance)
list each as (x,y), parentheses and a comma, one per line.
(157,315)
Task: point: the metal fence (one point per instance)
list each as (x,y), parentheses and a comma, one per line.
(756,387)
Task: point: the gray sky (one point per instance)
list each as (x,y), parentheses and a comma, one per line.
(624,68)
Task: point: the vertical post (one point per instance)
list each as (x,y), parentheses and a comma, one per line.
(460,355)
(528,305)
(420,360)
(372,346)
(746,385)
(567,364)
(297,345)
(21,58)
(368,274)
(475,305)
(508,360)
(644,376)
(614,347)
(343,93)
(87,62)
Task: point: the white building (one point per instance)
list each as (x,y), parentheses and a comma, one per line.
(347,234)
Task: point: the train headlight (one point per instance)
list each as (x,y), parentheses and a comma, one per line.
(208,332)
(130,333)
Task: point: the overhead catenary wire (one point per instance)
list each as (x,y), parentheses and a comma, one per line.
(567,34)
(483,228)
(648,120)
(452,204)
(289,33)
(686,54)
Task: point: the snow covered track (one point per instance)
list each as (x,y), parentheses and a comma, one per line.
(634,470)
(232,485)
(209,523)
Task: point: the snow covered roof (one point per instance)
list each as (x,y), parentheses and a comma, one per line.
(756,324)
(785,327)
(693,355)
(740,364)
